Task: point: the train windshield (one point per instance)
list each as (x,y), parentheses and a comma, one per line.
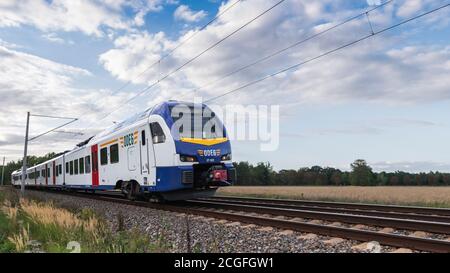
(195,122)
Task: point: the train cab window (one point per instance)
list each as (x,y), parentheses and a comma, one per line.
(87,161)
(71,167)
(67,167)
(104,156)
(158,135)
(114,153)
(75,166)
(81,160)
(143,138)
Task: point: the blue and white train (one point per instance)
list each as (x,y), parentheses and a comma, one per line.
(149,154)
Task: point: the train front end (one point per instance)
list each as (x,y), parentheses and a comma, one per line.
(203,157)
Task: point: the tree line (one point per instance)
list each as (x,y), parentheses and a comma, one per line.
(17,165)
(262,174)
(361,174)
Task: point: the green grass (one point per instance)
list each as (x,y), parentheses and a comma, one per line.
(5,229)
(36,227)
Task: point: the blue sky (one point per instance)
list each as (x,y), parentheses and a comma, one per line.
(385,100)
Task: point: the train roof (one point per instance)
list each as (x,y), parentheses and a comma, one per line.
(162,109)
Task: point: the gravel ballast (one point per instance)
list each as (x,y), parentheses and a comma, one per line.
(189,233)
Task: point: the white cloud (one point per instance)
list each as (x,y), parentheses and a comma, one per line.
(410,7)
(410,166)
(370,71)
(91,17)
(54,38)
(31,83)
(8,44)
(79,15)
(184,13)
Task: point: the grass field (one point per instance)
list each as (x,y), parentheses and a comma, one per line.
(418,196)
(32,226)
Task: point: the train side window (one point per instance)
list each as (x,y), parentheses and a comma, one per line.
(48,172)
(158,135)
(81,166)
(75,166)
(56,171)
(87,160)
(143,138)
(114,153)
(67,167)
(104,156)
(42,173)
(60,168)
(71,167)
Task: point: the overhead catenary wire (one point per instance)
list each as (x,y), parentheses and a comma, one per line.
(192,59)
(54,129)
(179,45)
(328,52)
(298,43)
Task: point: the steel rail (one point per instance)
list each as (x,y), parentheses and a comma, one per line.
(388,239)
(360,206)
(416,243)
(432,227)
(387,214)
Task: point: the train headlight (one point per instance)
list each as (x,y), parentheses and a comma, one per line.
(188,158)
(226,157)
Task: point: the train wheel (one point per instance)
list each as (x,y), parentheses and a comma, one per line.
(130,189)
(156,198)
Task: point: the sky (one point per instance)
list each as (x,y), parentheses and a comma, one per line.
(385,100)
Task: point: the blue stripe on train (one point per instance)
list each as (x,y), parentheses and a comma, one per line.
(167,179)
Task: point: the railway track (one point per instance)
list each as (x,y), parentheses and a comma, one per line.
(266,215)
(354,206)
(432,216)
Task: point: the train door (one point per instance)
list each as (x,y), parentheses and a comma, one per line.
(54,173)
(163,146)
(144,146)
(94,158)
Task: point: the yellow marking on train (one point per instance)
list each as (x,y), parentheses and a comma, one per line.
(109,142)
(206,142)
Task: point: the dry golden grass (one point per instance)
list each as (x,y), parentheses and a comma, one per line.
(48,214)
(21,239)
(10,211)
(424,196)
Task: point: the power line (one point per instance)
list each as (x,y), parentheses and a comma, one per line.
(192,59)
(54,129)
(174,49)
(276,53)
(179,45)
(55,117)
(328,52)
